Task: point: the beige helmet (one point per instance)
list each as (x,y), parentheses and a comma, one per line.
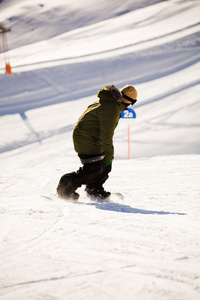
(129,93)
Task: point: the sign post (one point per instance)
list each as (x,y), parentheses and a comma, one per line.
(128,114)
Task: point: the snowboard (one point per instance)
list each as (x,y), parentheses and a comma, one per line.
(113,197)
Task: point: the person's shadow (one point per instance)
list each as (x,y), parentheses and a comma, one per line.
(111,206)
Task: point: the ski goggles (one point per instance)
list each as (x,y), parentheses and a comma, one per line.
(133,101)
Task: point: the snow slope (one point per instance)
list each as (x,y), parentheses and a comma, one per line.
(145,246)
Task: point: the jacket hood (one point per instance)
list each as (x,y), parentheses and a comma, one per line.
(110,90)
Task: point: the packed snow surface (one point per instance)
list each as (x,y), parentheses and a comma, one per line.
(146,246)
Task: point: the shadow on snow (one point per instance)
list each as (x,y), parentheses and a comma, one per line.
(111,206)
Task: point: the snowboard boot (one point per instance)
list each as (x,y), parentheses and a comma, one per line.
(97,192)
(67,187)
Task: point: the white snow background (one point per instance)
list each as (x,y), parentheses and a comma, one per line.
(146,246)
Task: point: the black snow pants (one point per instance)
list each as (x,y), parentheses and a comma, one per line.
(93,175)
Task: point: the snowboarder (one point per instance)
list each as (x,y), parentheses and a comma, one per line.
(93,141)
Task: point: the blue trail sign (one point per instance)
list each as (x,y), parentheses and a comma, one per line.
(128,114)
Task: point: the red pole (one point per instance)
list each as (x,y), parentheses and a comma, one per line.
(129,146)
(8,69)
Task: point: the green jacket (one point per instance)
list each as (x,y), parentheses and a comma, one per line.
(93,133)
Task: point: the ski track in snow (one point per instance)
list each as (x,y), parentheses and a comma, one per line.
(146,246)
(139,239)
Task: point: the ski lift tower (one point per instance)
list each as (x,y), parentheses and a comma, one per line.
(3,31)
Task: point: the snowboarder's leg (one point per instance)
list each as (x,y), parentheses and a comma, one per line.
(93,175)
(67,186)
(90,172)
(71,181)
(95,187)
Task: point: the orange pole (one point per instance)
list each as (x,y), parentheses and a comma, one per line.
(129,142)
(8,69)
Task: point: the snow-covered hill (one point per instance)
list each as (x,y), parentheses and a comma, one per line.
(156,48)
(146,246)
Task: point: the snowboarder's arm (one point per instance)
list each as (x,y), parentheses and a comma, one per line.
(108,118)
